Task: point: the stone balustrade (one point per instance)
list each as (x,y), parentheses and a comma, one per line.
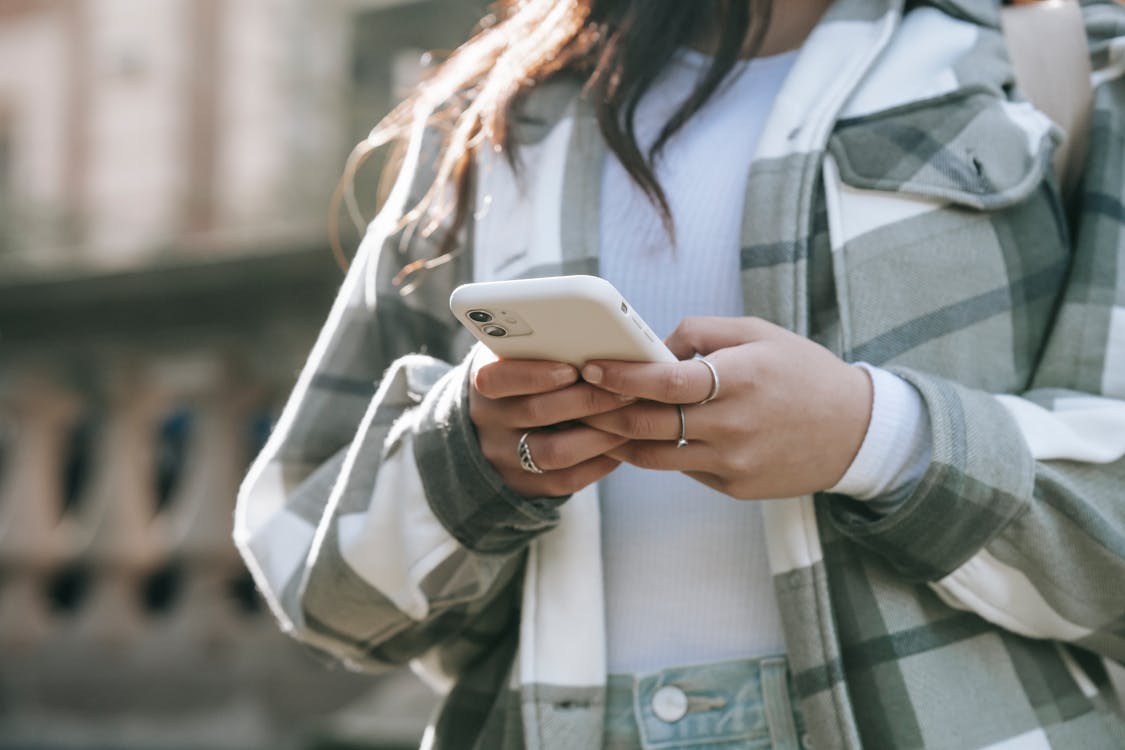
(127,619)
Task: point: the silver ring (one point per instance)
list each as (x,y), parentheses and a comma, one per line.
(714,382)
(683,428)
(523,450)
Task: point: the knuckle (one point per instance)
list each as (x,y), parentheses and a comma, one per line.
(675,382)
(730,424)
(539,380)
(484,412)
(490,449)
(739,464)
(548,453)
(591,400)
(475,412)
(749,375)
(682,331)
(638,423)
(769,364)
(645,457)
(531,411)
(484,382)
(613,423)
(728,465)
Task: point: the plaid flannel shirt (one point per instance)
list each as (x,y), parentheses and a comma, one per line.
(900,210)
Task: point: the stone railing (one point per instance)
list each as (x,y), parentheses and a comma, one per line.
(126,616)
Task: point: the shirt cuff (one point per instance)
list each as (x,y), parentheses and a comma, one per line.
(464,491)
(897,447)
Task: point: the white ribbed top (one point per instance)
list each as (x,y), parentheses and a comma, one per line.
(687,580)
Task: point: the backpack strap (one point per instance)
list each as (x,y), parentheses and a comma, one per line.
(1047,46)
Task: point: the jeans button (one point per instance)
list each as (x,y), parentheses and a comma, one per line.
(669,703)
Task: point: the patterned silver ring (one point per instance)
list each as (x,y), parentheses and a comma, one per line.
(523,450)
(714,382)
(683,428)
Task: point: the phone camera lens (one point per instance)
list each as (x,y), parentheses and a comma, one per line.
(496,331)
(480,316)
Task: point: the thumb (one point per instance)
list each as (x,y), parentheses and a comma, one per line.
(704,335)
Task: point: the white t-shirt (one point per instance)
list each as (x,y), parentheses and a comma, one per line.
(686,574)
(687,580)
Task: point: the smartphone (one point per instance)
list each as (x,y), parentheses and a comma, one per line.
(571,319)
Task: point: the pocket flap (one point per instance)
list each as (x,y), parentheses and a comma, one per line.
(967,147)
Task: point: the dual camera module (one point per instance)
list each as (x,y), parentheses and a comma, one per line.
(485,318)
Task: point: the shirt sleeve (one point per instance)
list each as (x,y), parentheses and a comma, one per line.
(897,447)
(1019,516)
(374,528)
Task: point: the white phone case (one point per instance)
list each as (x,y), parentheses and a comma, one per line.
(571,319)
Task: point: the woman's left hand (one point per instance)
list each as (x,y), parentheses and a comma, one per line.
(789,418)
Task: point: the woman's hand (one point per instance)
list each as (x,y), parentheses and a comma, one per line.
(510,397)
(789,418)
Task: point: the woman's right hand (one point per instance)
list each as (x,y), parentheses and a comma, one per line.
(508,397)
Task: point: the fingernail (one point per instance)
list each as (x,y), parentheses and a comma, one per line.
(563,375)
(592,374)
(626,399)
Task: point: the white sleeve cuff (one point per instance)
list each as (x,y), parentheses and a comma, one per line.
(897,447)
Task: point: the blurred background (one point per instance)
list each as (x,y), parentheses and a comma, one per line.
(165,168)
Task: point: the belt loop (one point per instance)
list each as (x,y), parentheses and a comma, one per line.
(778,707)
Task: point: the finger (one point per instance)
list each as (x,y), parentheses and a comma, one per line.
(684,382)
(504,378)
(546,409)
(648,420)
(665,456)
(553,450)
(703,335)
(564,482)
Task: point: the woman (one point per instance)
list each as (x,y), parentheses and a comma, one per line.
(863,237)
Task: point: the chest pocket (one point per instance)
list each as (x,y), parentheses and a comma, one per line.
(948,244)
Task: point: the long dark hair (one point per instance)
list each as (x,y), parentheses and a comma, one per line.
(617,48)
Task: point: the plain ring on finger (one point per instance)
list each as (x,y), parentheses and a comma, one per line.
(714,382)
(523,450)
(683,427)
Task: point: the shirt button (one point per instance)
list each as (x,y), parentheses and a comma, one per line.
(670,703)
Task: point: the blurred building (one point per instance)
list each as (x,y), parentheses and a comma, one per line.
(164,173)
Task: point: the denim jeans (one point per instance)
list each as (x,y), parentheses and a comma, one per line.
(745,704)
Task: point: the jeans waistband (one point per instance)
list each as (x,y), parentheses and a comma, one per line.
(746,703)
